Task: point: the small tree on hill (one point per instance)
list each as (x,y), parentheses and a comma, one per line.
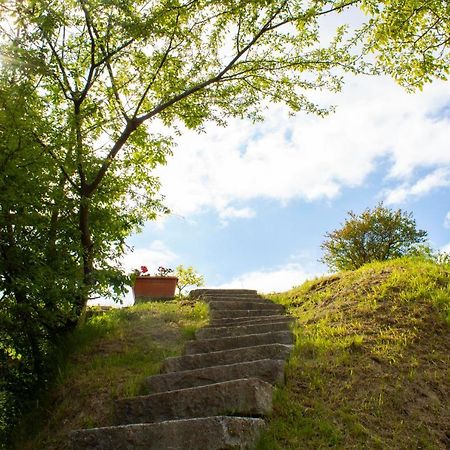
(374,235)
(187,276)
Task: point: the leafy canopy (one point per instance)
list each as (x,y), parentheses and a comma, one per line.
(410,39)
(374,235)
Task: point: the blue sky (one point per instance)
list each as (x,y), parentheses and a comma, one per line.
(252,202)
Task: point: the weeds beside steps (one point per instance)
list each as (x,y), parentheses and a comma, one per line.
(215,396)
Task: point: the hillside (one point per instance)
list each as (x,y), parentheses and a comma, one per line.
(370,369)
(109,357)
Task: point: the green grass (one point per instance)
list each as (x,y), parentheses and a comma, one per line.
(109,357)
(371,365)
(370,368)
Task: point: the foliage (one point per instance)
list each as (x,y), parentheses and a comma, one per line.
(410,39)
(103,121)
(370,364)
(374,235)
(37,258)
(428,253)
(41,268)
(188,276)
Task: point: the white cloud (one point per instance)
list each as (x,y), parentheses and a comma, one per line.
(436,179)
(447,220)
(229,212)
(446,248)
(312,158)
(271,280)
(155,255)
(241,213)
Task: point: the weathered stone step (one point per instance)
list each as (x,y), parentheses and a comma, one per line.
(200,292)
(268,370)
(246,397)
(225,357)
(245,305)
(208,433)
(230,313)
(241,330)
(233,342)
(224,298)
(248,320)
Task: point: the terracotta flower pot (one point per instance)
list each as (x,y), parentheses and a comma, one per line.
(154,288)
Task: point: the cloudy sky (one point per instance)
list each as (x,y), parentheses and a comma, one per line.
(251,203)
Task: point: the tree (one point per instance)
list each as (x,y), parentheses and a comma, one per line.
(187,276)
(103,69)
(36,262)
(41,274)
(374,235)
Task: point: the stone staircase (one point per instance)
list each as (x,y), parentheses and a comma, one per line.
(215,395)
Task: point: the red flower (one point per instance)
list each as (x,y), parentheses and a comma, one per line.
(144,269)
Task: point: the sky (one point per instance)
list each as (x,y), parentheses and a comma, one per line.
(251,202)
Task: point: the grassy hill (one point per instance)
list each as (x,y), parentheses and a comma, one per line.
(370,370)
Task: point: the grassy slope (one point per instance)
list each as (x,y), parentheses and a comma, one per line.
(371,367)
(111,355)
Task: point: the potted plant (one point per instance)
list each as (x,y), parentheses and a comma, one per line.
(160,286)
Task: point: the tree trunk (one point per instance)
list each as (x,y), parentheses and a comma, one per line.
(87,249)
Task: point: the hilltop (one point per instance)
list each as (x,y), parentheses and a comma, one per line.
(370,369)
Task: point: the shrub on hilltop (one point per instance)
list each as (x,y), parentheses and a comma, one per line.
(379,234)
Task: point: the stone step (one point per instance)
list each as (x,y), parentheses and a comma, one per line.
(228,343)
(208,433)
(241,330)
(225,298)
(244,397)
(230,313)
(200,292)
(245,305)
(225,357)
(248,320)
(268,370)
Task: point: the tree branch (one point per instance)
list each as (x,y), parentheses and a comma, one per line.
(60,64)
(160,66)
(161,107)
(321,13)
(60,165)
(92,67)
(137,121)
(107,55)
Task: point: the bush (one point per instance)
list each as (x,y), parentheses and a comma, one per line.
(374,235)
(187,276)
